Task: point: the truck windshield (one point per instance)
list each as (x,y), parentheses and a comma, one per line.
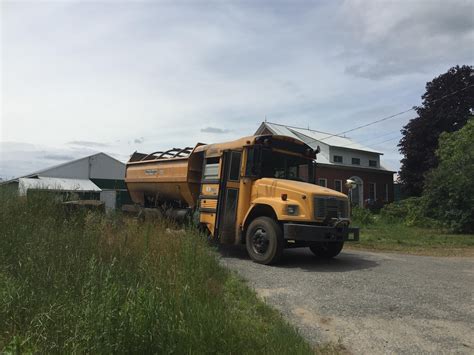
(268,163)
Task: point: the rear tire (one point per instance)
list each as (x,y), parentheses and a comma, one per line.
(326,250)
(264,241)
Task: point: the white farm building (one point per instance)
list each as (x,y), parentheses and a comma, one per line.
(97,177)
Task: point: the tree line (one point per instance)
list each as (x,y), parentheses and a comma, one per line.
(438,150)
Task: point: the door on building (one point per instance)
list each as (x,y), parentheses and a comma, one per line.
(357,194)
(229,196)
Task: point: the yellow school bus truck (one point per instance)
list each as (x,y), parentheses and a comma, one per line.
(250,191)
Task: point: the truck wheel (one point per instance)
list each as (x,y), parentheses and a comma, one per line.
(326,249)
(264,241)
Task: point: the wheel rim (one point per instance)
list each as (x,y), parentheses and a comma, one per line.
(260,241)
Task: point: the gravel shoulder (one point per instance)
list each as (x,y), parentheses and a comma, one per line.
(374,303)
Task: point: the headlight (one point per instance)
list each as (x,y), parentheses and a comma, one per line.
(292,210)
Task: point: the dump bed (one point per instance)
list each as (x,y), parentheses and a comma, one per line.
(165,177)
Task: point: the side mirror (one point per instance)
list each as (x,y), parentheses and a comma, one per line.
(350,184)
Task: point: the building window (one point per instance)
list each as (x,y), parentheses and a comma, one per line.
(386,192)
(373,163)
(322,182)
(355,161)
(338,158)
(338,185)
(372,191)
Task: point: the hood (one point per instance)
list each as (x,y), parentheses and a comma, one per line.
(299,187)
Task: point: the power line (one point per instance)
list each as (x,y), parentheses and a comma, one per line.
(395,115)
(369,124)
(387,140)
(371,139)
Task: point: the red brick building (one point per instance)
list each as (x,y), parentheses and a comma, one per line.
(340,159)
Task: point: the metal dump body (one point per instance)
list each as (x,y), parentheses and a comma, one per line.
(172,176)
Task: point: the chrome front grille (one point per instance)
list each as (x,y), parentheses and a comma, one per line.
(330,207)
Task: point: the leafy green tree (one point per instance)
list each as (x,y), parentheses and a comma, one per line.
(449,189)
(441,111)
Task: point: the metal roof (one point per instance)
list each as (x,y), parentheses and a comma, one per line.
(60,184)
(316,137)
(68,163)
(217,148)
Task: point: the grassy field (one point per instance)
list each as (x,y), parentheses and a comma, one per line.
(86,282)
(398,237)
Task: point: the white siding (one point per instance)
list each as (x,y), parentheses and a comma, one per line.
(347,156)
(105,167)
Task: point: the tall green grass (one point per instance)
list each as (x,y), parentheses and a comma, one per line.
(86,282)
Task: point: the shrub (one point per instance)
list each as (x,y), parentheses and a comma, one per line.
(362,216)
(410,212)
(449,188)
(400,210)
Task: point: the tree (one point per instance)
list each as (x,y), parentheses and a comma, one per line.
(446,107)
(449,191)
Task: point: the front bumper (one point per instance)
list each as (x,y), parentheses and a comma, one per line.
(312,233)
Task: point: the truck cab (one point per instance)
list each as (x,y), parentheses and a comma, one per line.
(255,191)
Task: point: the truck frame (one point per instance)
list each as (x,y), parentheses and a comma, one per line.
(249,191)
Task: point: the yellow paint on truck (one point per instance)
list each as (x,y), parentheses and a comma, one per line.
(250,182)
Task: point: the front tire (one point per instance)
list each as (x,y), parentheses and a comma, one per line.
(326,250)
(264,241)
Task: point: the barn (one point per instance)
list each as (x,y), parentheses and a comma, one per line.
(340,159)
(94,177)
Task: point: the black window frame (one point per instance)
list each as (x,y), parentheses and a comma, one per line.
(375,191)
(355,161)
(232,167)
(336,159)
(256,155)
(373,163)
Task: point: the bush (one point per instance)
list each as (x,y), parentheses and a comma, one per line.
(410,212)
(362,216)
(449,188)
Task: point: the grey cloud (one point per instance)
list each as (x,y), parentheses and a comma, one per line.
(409,38)
(18,158)
(215,130)
(139,140)
(88,144)
(380,69)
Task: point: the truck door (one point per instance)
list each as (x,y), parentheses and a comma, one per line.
(228,196)
(209,196)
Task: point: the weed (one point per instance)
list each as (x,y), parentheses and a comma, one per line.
(86,282)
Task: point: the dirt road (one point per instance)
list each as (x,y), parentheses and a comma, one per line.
(373,303)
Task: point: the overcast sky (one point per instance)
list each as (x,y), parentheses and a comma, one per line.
(81,77)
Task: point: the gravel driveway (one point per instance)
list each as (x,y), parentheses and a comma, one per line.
(373,303)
